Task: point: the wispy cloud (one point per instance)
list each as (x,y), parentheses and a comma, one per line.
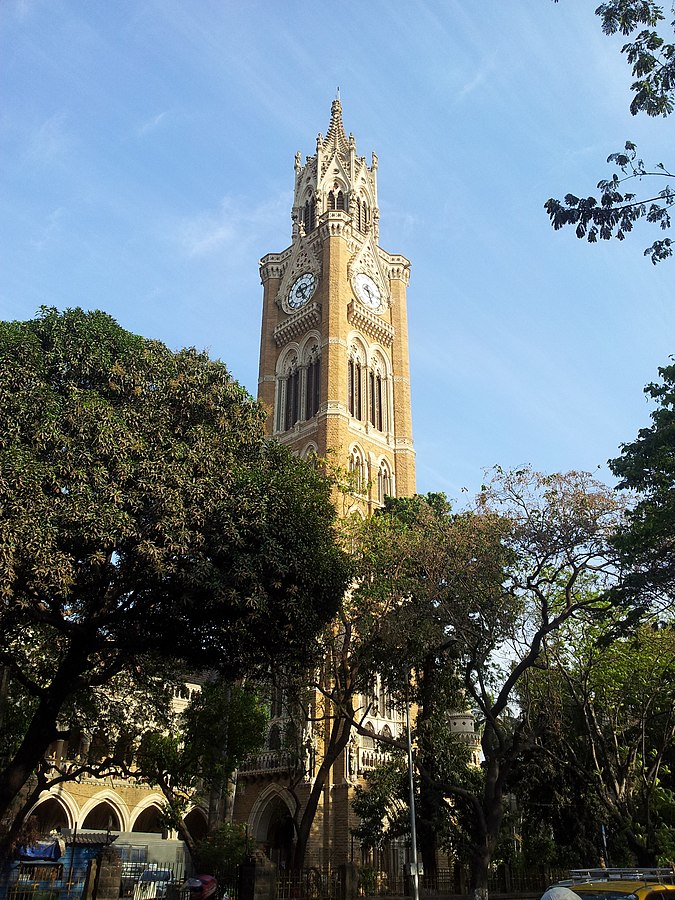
(478,79)
(50,228)
(152,123)
(51,140)
(235,223)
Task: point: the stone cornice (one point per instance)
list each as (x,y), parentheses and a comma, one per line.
(371,324)
(297,324)
(272,265)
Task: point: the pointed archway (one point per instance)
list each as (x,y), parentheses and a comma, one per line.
(272,826)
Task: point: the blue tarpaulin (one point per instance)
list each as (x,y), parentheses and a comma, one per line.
(47,850)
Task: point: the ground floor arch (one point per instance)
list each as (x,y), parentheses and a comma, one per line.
(197,824)
(272,826)
(149,820)
(50,814)
(103,813)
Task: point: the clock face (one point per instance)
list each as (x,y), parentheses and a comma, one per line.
(367,291)
(301,290)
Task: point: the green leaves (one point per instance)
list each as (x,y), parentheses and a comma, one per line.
(143,511)
(647,467)
(652,58)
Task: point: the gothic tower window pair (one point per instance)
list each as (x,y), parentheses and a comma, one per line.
(336,198)
(298,387)
(358,469)
(369,384)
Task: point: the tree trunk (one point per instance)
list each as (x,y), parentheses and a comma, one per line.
(431,798)
(339,738)
(41,731)
(489,828)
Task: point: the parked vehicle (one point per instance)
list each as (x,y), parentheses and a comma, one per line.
(617,884)
(152,884)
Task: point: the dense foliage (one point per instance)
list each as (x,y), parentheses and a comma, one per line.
(143,513)
(647,467)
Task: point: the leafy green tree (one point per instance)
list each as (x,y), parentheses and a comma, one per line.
(651,54)
(480,594)
(143,514)
(647,468)
(194,760)
(223,850)
(609,710)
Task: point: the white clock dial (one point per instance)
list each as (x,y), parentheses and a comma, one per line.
(367,291)
(302,290)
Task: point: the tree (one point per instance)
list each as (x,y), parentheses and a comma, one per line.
(143,514)
(421,565)
(222,725)
(647,468)
(492,586)
(610,709)
(652,57)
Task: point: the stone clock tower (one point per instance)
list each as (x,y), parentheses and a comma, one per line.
(334,371)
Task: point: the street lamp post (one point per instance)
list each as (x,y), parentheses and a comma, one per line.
(411,783)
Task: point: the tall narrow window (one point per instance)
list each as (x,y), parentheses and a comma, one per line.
(292,404)
(357,470)
(331,200)
(355,387)
(383,482)
(375,398)
(308,215)
(361,214)
(313,387)
(340,200)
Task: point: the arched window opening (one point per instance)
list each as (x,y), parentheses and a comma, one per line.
(313,387)
(331,200)
(369,739)
(355,385)
(274,740)
(308,215)
(383,482)
(376,398)
(340,200)
(289,404)
(357,470)
(361,214)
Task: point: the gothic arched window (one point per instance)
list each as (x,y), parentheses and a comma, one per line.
(355,372)
(292,399)
(357,470)
(308,215)
(312,384)
(369,739)
(376,399)
(336,198)
(288,392)
(383,482)
(361,214)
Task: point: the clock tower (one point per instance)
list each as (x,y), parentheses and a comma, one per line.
(334,370)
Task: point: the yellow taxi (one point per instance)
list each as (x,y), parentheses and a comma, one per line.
(615,884)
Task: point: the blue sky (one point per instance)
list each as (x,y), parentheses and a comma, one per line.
(147,155)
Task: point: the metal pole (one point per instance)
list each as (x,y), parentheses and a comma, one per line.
(411,782)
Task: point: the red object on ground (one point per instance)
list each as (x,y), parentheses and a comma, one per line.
(206,888)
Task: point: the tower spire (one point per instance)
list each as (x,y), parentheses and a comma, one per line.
(335,136)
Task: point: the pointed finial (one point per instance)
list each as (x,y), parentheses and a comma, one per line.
(338,92)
